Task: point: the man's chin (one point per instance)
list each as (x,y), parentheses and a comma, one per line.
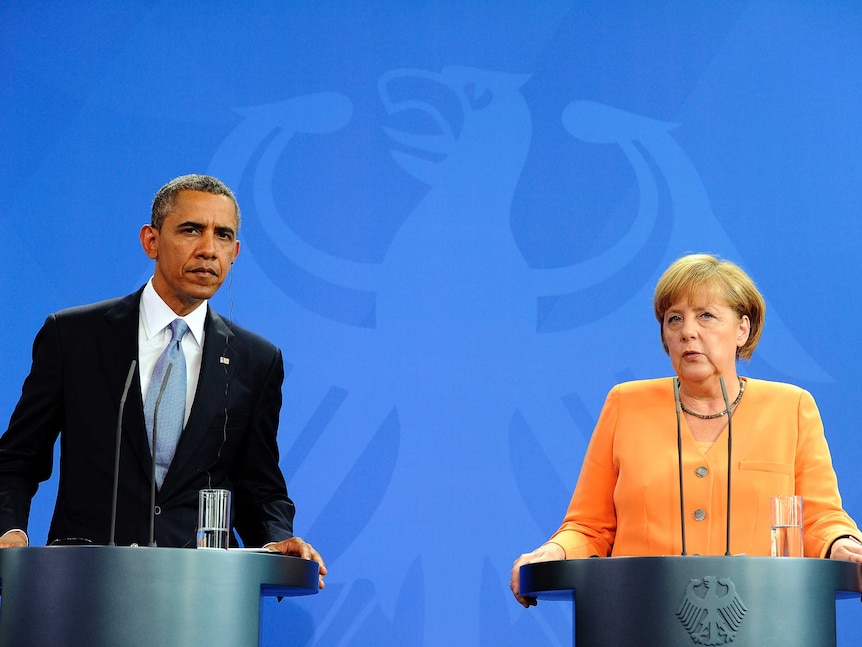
(204,286)
(198,293)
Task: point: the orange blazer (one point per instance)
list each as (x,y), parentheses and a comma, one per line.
(627,498)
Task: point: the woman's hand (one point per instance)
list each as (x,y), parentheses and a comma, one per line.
(545,553)
(847,549)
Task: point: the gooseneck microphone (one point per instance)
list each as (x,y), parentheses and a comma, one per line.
(679,456)
(119,436)
(729,462)
(153,471)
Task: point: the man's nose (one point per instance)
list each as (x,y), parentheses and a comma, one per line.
(207,245)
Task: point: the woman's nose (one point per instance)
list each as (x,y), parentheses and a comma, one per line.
(688,330)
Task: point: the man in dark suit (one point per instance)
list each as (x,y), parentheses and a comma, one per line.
(81,359)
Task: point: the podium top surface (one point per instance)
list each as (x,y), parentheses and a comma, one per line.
(272,573)
(560,579)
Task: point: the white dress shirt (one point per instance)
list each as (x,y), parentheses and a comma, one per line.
(154,336)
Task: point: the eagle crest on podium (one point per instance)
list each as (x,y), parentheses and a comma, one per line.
(711,611)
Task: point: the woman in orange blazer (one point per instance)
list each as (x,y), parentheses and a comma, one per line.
(627,500)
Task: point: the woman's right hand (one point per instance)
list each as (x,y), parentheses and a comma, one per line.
(545,553)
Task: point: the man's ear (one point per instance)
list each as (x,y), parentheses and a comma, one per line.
(150,241)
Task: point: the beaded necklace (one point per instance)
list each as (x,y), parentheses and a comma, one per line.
(711,416)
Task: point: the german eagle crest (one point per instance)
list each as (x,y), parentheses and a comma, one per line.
(711,611)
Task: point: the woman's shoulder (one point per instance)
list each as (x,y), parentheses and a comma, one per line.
(646,387)
(771,388)
(641,392)
(775,392)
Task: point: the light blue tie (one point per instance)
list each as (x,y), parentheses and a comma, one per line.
(172,407)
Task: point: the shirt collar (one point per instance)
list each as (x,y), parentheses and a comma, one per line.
(156,315)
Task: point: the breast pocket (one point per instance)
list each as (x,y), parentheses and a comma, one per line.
(765,478)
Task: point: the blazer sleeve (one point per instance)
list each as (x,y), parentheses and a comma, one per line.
(589,526)
(26,447)
(824,517)
(263,510)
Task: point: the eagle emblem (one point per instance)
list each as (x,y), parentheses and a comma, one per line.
(711,611)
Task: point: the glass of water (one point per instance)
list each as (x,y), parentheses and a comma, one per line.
(787,528)
(214,519)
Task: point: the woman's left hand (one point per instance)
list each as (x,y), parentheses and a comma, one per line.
(847,549)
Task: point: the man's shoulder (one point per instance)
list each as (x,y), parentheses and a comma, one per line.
(118,306)
(98,307)
(237,334)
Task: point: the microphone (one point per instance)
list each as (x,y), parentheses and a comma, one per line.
(729,447)
(153,472)
(679,455)
(113,534)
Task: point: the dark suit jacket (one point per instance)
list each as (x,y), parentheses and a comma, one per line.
(81,358)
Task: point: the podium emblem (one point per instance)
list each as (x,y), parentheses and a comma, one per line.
(711,611)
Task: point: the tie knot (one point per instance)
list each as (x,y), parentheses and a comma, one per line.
(178,329)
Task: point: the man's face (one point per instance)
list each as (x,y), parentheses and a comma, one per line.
(193,250)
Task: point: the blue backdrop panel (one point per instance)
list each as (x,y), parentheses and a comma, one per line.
(454,214)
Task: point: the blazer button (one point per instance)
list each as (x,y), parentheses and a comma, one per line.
(699,515)
(701,471)
(157,510)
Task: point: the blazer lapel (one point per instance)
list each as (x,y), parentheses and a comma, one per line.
(119,350)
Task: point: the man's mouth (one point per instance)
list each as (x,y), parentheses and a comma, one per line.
(204,270)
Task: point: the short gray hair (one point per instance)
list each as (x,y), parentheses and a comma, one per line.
(166,198)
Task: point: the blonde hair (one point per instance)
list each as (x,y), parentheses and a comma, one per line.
(695,272)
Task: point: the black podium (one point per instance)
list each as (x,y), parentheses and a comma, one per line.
(682,601)
(98,596)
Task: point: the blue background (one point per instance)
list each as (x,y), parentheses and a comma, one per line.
(454,217)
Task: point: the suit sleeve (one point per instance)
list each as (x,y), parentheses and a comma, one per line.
(26,447)
(263,510)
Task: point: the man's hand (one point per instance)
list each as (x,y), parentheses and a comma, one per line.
(14,539)
(299,548)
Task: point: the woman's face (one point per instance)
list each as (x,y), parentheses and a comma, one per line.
(703,334)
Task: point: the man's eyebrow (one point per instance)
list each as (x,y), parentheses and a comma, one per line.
(221,229)
(190,223)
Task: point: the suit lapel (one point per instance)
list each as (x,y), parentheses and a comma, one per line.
(217,368)
(120,348)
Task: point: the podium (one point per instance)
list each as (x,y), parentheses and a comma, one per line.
(682,601)
(98,596)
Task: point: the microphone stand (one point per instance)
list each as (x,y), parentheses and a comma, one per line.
(679,456)
(729,462)
(113,533)
(153,469)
